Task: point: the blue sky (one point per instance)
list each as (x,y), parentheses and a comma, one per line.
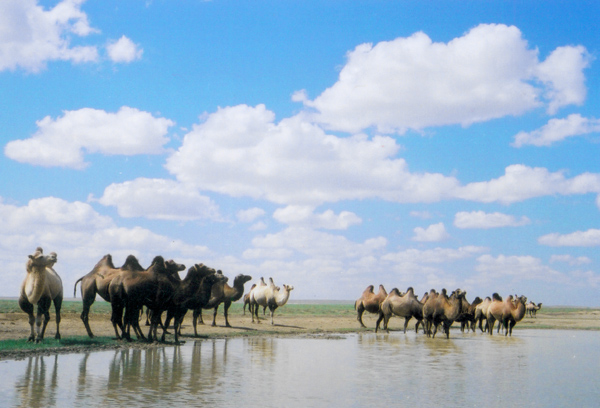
(330,145)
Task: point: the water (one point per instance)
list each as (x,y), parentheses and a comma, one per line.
(534,368)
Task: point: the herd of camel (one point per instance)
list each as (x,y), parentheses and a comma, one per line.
(131,287)
(438,309)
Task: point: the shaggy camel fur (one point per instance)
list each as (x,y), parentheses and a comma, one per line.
(443,310)
(402,305)
(508,313)
(41,287)
(370,302)
(532,309)
(96,282)
(191,293)
(153,288)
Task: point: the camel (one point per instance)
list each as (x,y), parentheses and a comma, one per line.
(481,313)
(247,299)
(443,310)
(153,288)
(507,312)
(532,308)
(230,295)
(191,293)
(216,297)
(41,287)
(467,317)
(98,280)
(280,298)
(260,295)
(370,302)
(403,305)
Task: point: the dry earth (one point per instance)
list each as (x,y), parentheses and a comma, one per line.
(15,326)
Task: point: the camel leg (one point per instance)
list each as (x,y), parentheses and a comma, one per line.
(360,310)
(194,321)
(214,323)
(226,306)
(28,308)
(490,325)
(379,319)
(199,316)
(57,306)
(406,320)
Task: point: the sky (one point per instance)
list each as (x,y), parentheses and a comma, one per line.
(330,145)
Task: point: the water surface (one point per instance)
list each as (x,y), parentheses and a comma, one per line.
(534,368)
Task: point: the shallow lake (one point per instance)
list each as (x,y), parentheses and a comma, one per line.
(534,368)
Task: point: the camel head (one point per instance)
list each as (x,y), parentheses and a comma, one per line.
(289,288)
(242,279)
(39,260)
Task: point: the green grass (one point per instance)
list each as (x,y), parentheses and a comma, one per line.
(23,344)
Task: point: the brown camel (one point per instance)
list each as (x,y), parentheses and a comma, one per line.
(153,288)
(370,302)
(467,317)
(532,309)
(42,286)
(443,310)
(191,293)
(402,305)
(97,282)
(216,297)
(230,295)
(508,313)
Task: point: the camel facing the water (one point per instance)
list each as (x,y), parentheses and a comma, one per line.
(41,287)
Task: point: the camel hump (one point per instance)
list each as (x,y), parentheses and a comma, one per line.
(369,289)
(395,291)
(132,264)
(106,261)
(410,290)
(497,297)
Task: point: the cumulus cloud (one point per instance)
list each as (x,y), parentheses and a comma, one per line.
(589,238)
(31,36)
(521,182)
(480,219)
(304,216)
(63,141)
(433,233)
(241,151)
(159,199)
(517,268)
(557,130)
(312,243)
(124,50)
(413,83)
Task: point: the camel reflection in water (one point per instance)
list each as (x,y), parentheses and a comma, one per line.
(38,385)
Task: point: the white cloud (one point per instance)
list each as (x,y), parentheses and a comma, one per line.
(250,214)
(515,268)
(480,219)
(240,151)
(31,36)
(413,83)
(435,256)
(63,141)
(304,216)
(587,238)
(562,71)
(124,50)
(571,260)
(421,214)
(557,130)
(314,244)
(159,199)
(521,182)
(433,233)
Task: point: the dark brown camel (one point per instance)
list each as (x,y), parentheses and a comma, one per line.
(97,281)
(192,292)
(216,297)
(153,288)
(403,305)
(443,310)
(467,317)
(41,287)
(370,302)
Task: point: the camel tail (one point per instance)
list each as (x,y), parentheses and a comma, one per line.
(75,288)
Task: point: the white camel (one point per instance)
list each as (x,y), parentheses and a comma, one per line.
(260,296)
(280,298)
(41,287)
